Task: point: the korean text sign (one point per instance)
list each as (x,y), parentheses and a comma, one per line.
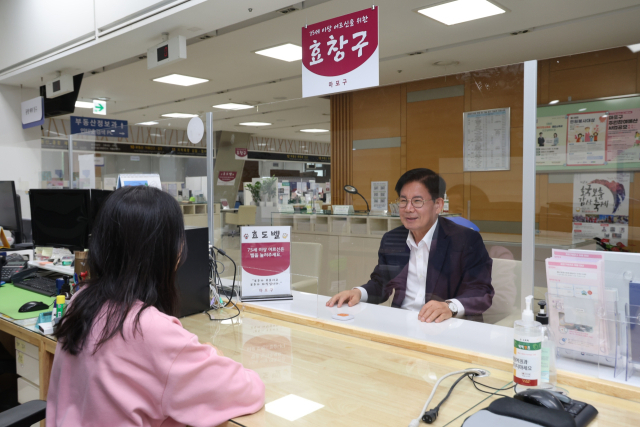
(266,261)
(227,177)
(341,54)
(99,127)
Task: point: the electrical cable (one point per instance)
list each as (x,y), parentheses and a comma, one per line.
(476,384)
(215,285)
(431,415)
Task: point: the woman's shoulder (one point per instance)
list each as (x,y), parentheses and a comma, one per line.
(158,328)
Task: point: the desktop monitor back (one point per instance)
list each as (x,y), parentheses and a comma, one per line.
(192,278)
(10,210)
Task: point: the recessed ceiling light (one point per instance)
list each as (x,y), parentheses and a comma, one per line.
(83,104)
(555,101)
(446,63)
(255,124)
(457,11)
(582,109)
(314,130)
(147,123)
(233,106)
(180,80)
(635,48)
(179,115)
(285,52)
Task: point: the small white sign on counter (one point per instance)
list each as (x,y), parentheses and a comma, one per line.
(342,209)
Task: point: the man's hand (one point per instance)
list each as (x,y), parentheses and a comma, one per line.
(434,311)
(351,297)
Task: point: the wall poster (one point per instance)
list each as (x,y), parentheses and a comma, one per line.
(379,195)
(551,139)
(623,137)
(601,207)
(487,140)
(586,138)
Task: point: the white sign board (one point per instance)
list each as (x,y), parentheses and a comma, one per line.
(99,107)
(487,145)
(195,130)
(152,180)
(266,263)
(379,195)
(32,112)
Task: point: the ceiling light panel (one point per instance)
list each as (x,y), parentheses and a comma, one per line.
(457,11)
(233,106)
(147,123)
(285,52)
(83,104)
(635,48)
(255,124)
(179,115)
(314,130)
(180,80)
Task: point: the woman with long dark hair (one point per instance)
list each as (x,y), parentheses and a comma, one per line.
(122,359)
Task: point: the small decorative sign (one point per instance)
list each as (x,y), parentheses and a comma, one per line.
(342,209)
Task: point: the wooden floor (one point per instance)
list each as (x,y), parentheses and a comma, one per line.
(360,382)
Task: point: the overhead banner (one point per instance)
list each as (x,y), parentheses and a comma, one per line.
(120,148)
(241,153)
(261,155)
(601,206)
(266,263)
(99,127)
(227,177)
(552,141)
(341,54)
(586,138)
(623,137)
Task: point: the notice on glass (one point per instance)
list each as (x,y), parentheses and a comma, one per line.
(623,137)
(552,141)
(586,137)
(601,207)
(266,262)
(487,140)
(379,195)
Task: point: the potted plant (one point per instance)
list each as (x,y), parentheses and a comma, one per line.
(270,189)
(255,190)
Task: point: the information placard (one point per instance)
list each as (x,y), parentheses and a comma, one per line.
(623,136)
(586,137)
(487,142)
(266,263)
(551,140)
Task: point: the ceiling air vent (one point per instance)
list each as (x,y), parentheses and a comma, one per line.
(287,10)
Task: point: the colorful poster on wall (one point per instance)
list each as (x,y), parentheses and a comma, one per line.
(601,207)
(341,54)
(586,138)
(552,141)
(623,137)
(241,153)
(227,177)
(487,143)
(266,263)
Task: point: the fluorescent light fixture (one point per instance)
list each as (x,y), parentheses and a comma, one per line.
(635,48)
(179,115)
(180,80)
(582,109)
(314,130)
(233,106)
(255,124)
(555,101)
(292,407)
(83,104)
(285,52)
(147,123)
(457,11)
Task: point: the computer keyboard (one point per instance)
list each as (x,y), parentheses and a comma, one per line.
(40,285)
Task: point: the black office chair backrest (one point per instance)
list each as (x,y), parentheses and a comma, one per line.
(24,415)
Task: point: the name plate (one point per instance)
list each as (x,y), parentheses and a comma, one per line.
(285,209)
(342,209)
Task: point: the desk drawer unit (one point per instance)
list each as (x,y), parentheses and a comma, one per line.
(27,361)
(27,391)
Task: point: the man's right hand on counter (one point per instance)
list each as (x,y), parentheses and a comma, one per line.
(351,297)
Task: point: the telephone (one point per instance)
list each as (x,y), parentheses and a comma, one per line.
(11,265)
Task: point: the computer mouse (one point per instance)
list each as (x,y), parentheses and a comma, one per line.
(33,306)
(540,398)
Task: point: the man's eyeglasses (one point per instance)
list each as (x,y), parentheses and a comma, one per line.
(417,202)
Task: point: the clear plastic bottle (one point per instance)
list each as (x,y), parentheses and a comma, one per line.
(445,207)
(527,349)
(548,374)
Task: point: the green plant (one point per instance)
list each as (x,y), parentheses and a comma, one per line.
(270,187)
(255,190)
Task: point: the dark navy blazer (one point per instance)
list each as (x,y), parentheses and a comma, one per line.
(459,267)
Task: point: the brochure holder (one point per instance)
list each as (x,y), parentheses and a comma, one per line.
(622,329)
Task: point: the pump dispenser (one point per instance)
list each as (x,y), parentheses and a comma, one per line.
(527,348)
(445,206)
(548,375)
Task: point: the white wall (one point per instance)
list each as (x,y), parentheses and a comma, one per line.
(20,152)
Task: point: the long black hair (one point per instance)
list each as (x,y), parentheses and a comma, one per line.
(136,244)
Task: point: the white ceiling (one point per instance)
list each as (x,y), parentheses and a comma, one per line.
(556,28)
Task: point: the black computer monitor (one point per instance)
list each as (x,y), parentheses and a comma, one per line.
(10,211)
(98,197)
(60,218)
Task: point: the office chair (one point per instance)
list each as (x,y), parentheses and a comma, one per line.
(24,415)
(463,222)
(246,216)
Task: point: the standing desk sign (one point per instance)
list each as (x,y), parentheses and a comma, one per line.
(341,54)
(100,127)
(33,112)
(266,263)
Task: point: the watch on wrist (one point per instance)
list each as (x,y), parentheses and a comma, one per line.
(453,308)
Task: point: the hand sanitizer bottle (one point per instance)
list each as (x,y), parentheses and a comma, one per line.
(445,207)
(548,375)
(527,348)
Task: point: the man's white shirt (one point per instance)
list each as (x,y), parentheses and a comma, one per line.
(417,274)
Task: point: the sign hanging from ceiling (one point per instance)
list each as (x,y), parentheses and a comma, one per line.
(99,107)
(341,54)
(33,112)
(99,127)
